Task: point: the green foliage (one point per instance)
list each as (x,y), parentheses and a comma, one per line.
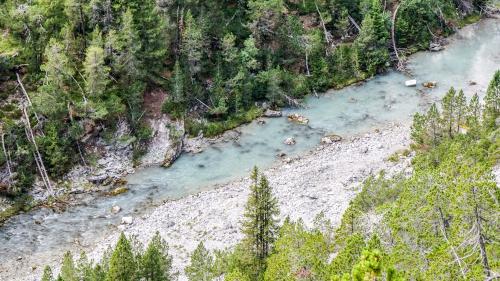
(260,224)
(155,263)
(127,261)
(371,44)
(201,266)
(122,264)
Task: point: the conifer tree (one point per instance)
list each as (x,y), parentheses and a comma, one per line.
(371,44)
(156,263)
(449,115)
(68,269)
(201,266)
(192,43)
(47,274)
(122,264)
(96,71)
(492,101)
(177,84)
(260,224)
(460,110)
(473,113)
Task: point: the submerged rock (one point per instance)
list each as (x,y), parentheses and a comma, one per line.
(290,141)
(298,119)
(272,113)
(172,154)
(115,209)
(430,84)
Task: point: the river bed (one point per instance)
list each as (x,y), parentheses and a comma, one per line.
(473,55)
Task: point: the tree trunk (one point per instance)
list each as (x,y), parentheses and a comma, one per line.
(481,240)
(7,159)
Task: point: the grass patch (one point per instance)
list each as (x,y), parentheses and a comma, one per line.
(215,128)
(470,19)
(21,204)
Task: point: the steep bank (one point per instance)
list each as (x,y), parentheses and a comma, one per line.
(323,180)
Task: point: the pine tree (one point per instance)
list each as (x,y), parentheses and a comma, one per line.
(96,71)
(122,264)
(449,111)
(260,224)
(473,113)
(492,101)
(193,43)
(156,263)
(461,109)
(47,274)
(68,269)
(371,44)
(201,266)
(177,84)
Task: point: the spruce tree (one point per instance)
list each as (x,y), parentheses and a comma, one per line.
(193,43)
(492,101)
(371,44)
(449,115)
(156,263)
(122,264)
(201,266)
(47,274)
(96,71)
(68,269)
(260,223)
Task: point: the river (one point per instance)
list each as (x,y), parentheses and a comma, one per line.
(472,55)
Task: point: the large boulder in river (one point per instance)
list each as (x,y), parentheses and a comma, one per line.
(290,141)
(296,118)
(127,220)
(272,113)
(172,154)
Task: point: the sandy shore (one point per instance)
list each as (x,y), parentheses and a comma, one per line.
(322,180)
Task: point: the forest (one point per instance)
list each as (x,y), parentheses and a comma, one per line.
(438,223)
(68,67)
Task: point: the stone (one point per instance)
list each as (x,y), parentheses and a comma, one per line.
(261,121)
(435,47)
(411,83)
(127,220)
(272,113)
(329,139)
(172,154)
(290,141)
(430,84)
(98,179)
(472,83)
(115,209)
(281,154)
(296,118)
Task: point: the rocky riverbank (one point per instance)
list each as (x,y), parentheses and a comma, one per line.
(323,180)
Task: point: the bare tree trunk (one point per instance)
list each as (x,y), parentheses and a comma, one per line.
(354,22)
(325,31)
(38,157)
(26,95)
(307,64)
(453,251)
(393,35)
(481,240)
(7,159)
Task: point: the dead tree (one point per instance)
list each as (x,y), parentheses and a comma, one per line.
(325,31)
(7,157)
(400,65)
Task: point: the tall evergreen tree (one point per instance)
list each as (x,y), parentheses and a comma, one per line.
(156,263)
(122,264)
(193,43)
(201,266)
(68,269)
(371,44)
(492,101)
(47,274)
(260,224)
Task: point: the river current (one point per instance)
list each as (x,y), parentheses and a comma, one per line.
(473,55)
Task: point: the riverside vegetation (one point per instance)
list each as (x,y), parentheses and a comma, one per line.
(71,67)
(439,223)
